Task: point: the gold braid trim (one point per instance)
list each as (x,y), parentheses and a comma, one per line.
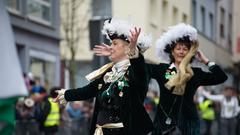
(184,74)
(93,75)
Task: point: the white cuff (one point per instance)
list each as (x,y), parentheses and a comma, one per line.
(61,98)
(133,53)
(209,64)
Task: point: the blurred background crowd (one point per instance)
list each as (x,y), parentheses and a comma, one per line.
(75,117)
(31,112)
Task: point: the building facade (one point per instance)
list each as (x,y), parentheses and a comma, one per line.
(154,16)
(214,22)
(236,41)
(35,26)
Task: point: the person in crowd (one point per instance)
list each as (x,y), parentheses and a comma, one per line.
(47,111)
(151,102)
(76,114)
(238,117)
(229,109)
(207,114)
(25,120)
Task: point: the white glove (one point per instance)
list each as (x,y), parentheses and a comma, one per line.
(60,98)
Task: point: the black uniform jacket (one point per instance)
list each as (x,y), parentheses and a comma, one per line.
(184,105)
(135,119)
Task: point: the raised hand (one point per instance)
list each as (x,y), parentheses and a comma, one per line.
(60,98)
(201,57)
(133,39)
(102,50)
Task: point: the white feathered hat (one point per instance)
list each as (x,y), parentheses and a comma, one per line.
(120,29)
(171,36)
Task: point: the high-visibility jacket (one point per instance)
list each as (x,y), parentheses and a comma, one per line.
(53,117)
(206,110)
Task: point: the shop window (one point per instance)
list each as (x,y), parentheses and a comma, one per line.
(44,71)
(39,10)
(14,6)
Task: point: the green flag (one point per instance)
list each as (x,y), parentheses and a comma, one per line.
(7,115)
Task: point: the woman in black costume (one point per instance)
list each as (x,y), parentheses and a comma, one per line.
(120,86)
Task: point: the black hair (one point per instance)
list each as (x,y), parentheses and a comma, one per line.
(116,36)
(24,74)
(53,92)
(32,82)
(230,88)
(184,41)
